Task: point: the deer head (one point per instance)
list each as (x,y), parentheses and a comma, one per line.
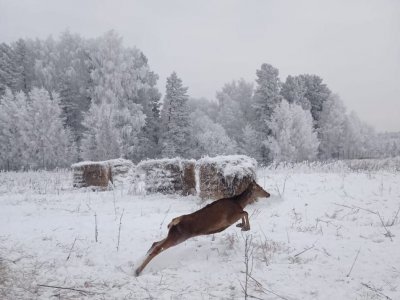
(258,191)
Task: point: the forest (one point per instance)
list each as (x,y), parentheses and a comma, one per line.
(70,98)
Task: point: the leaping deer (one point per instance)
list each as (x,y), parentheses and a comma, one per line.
(213,218)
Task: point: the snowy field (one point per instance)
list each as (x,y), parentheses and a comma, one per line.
(325,233)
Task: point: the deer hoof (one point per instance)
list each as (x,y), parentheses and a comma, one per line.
(239,225)
(245,228)
(137,272)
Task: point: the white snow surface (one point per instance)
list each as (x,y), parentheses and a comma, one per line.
(306,237)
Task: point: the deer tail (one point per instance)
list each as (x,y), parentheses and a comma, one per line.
(175,221)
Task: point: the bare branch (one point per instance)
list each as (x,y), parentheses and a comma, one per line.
(358,252)
(375,290)
(70,250)
(67,288)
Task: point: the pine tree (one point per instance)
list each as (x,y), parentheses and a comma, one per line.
(25,61)
(8,69)
(317,93)
(294,90)
(74,83)
(266,98)
(267,94)
(175,119)
(307,90)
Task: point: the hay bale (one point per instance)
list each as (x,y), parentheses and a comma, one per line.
(225,176)
(122,171)
(90,173)
(167,176)
(99,173)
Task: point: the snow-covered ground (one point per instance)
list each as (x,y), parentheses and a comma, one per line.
(319,236)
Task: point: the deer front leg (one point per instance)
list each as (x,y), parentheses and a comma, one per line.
(241,224)
(245,220)
(245,225)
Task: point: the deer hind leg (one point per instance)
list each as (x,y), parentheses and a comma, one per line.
(157,248)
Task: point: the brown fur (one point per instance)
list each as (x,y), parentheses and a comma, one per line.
(213,218)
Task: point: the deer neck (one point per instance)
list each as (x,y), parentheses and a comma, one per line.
(245,198)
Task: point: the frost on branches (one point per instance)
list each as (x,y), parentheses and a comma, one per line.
(293,138)
(32,132)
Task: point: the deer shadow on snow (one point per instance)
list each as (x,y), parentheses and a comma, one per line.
(213,218)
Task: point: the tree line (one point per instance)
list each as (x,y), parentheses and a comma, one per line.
(69,99)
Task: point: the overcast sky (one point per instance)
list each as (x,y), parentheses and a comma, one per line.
(353,45)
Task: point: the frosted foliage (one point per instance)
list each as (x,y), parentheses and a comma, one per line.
(210,138)
(11,114)
(117,75)
(43,129)
(267,94)
(34,136)
(358,138)
(294,91)
(234,101)
(111,132)
(8,69)
(114,121)
(293,138)
(332,128)
(251,142)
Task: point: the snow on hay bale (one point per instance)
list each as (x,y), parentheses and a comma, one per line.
(225,176)
(122,171)
(100,173)
(167,176)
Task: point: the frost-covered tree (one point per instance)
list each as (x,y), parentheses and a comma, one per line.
(307,90)
(266,98)
(74,83)
(251,143)
(47,143)
(234,107)
(294,91)
(358,138)
(25,61)
(317,93)
(293,138)
(12,113)
(207,107)
(149,98)
(32,134)
(175,119)
(118,74)
(107,130)
(45,66)
(267,94)
(8,69)
(332,128)
(209,138)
